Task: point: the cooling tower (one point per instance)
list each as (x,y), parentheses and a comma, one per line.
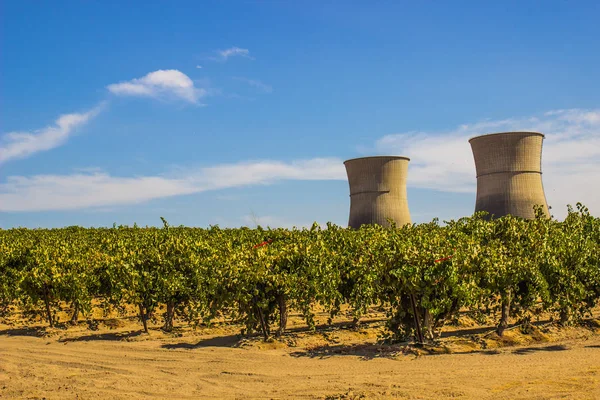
(378,190)
(509,173)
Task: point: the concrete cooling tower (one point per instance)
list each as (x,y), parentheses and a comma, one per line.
(378,190)
(509,173)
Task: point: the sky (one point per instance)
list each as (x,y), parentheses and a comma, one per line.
(238,113)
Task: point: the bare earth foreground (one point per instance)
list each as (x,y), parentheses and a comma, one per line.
(120,363)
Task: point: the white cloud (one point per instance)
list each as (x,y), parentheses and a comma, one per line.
(571,156)
(439,160)
(161,83)
(224,55)
(263,87)
(65,192)
(98,189)
(16,145)
(266,172)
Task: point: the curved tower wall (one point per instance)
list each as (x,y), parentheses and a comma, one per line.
(509,173)
(378,190)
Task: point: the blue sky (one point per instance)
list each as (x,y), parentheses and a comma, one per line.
(233,113)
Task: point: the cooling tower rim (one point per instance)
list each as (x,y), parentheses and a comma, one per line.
(371,157)
(506,133)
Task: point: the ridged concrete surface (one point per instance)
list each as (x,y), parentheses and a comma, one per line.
(509,173)
(378,190)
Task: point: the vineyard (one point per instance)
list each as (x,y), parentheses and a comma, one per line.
(422,275)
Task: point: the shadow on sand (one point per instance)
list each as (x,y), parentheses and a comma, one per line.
(32,331)
(219,341)
(369,352)
(529,350)
(238,340)
(103,336)
(363,351)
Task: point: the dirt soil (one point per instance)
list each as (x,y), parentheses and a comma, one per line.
(116,361)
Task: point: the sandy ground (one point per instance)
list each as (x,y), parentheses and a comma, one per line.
(117,362)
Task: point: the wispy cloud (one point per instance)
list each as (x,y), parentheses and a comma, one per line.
(98,189)
(263,87)
(161,83)
(16,145)
(267,172)
(571,155)
(440,161)
(65,192)
(224,55)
